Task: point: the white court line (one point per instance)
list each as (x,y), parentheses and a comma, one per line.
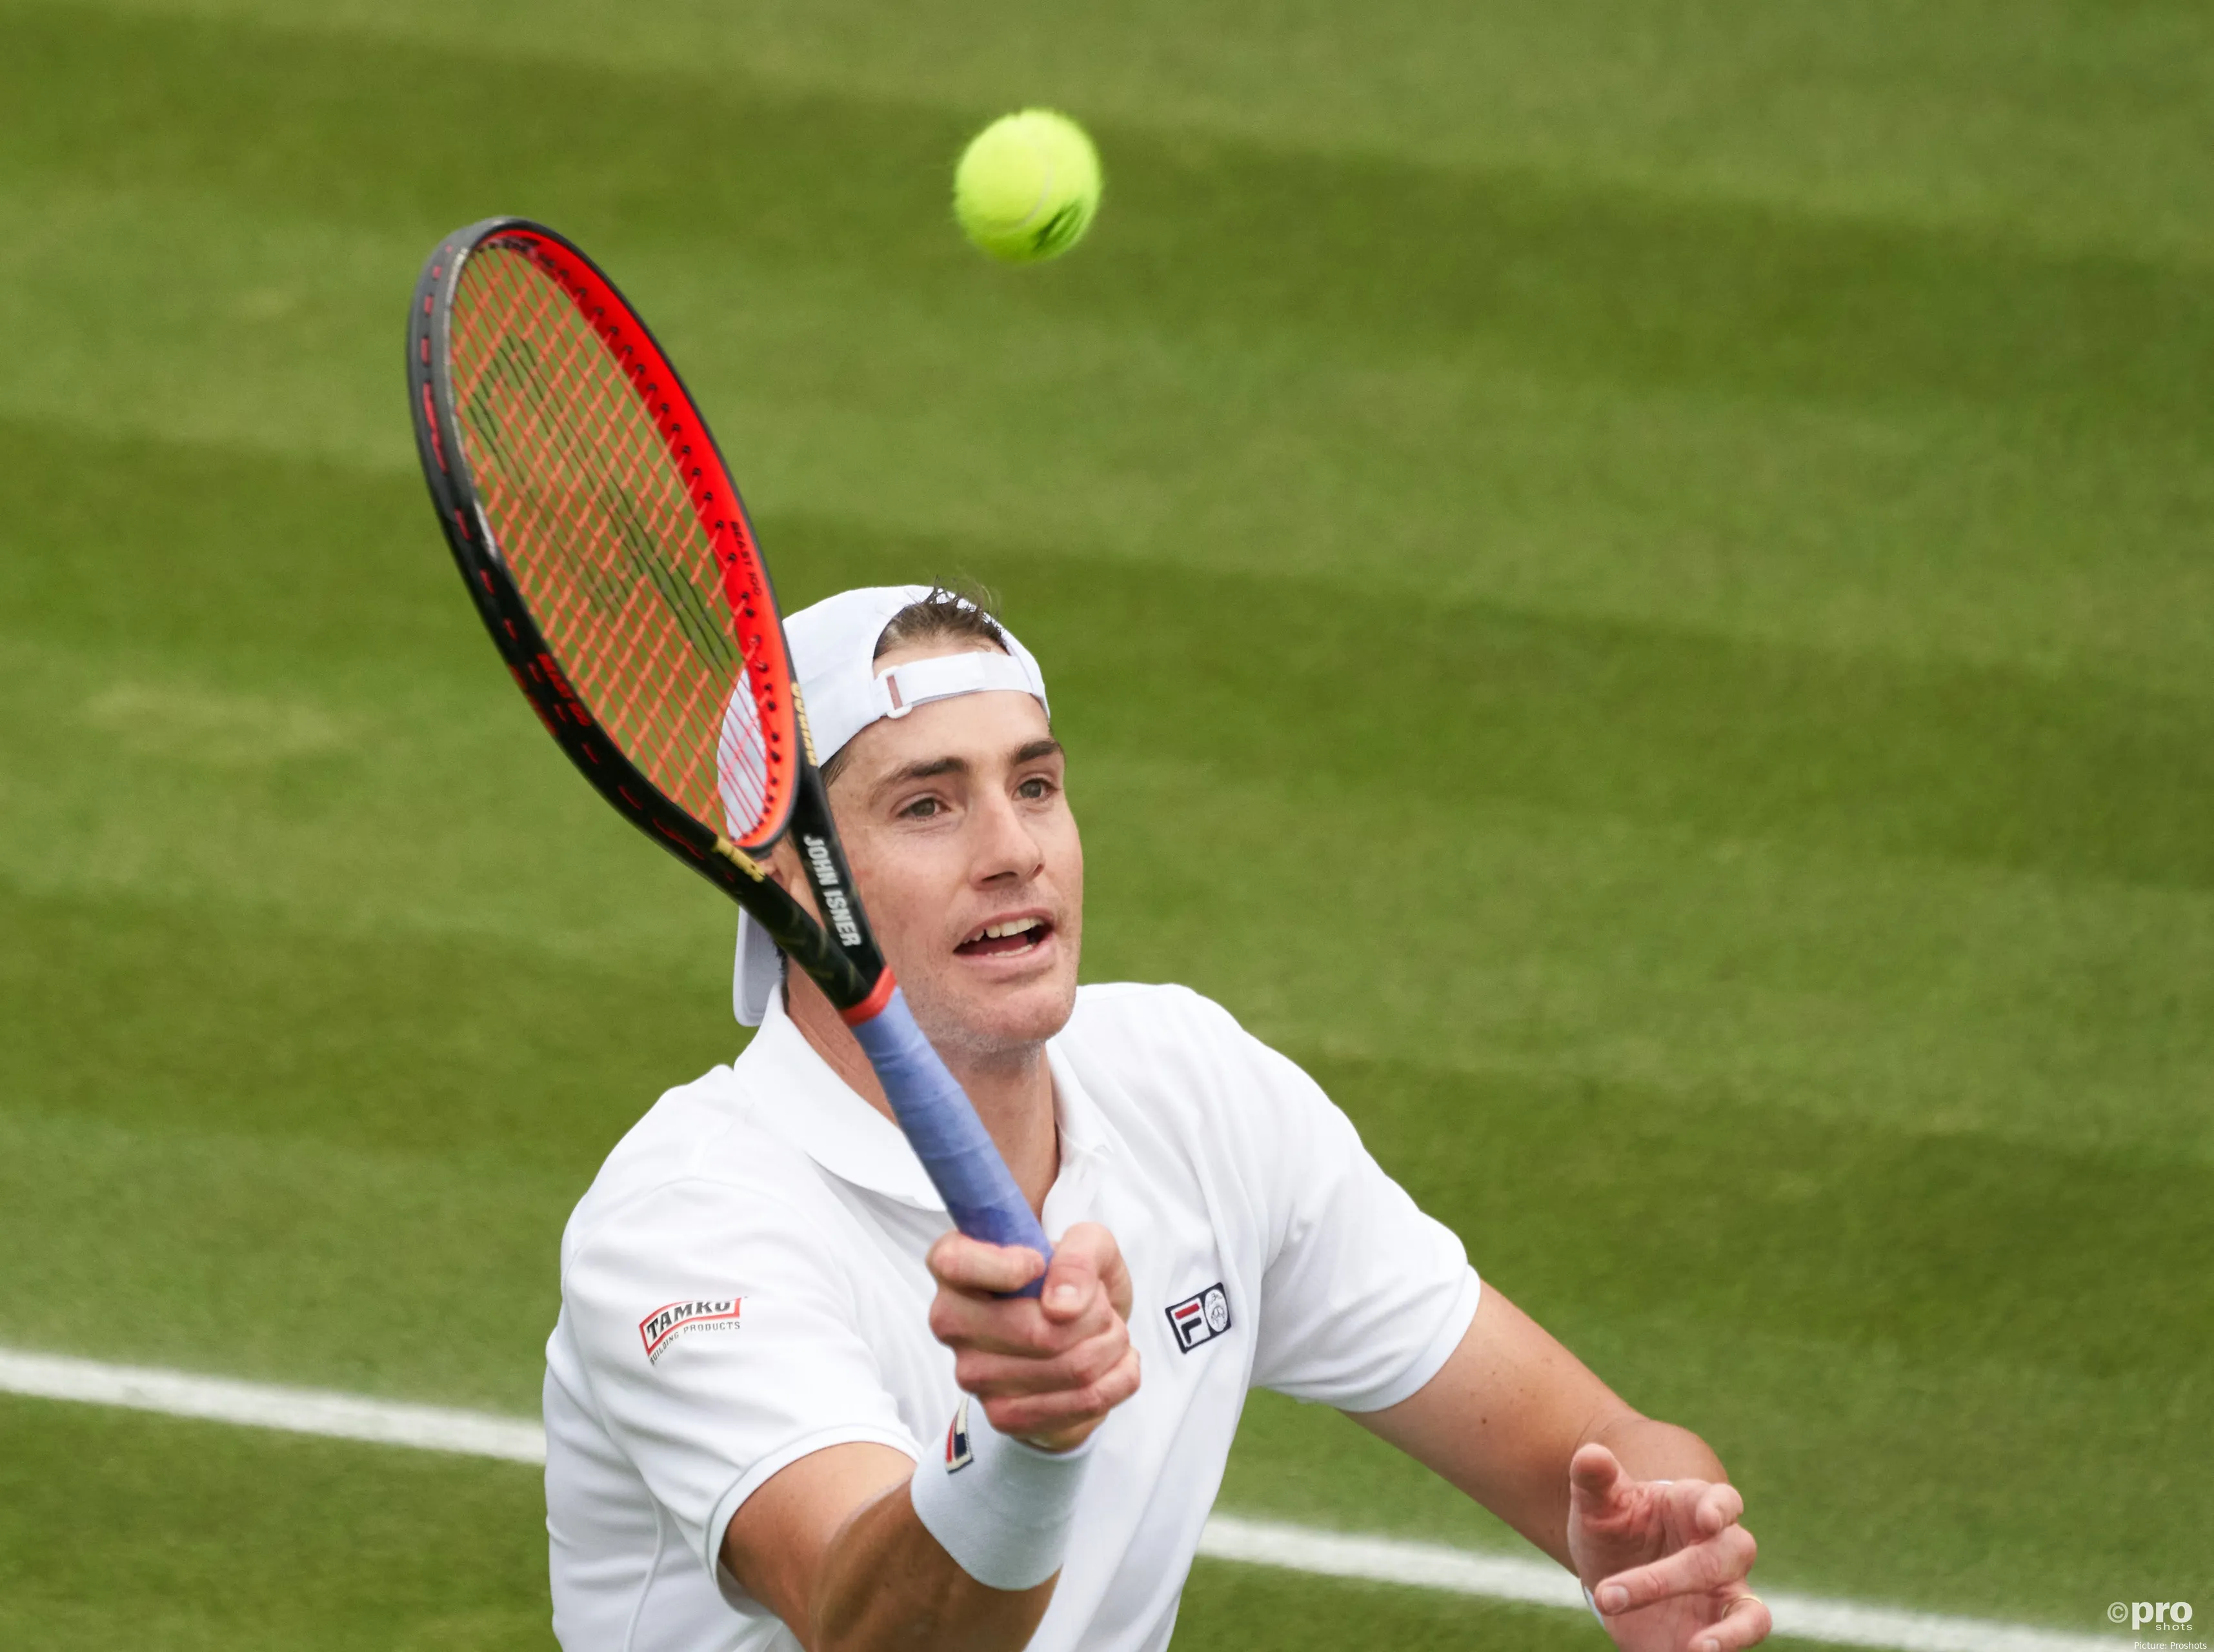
(1227,1537)
(1541,1583)
(262,1405)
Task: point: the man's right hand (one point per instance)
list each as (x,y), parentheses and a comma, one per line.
(832,1544)
(1047,1369)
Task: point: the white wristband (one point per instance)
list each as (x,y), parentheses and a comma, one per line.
(1000,1506)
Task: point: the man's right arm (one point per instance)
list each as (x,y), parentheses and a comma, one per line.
(832,1544)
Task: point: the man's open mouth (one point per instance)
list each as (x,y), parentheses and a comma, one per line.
(1000,939)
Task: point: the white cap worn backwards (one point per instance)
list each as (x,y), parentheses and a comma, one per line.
(833,657)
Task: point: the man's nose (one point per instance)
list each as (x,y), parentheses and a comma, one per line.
(1006,849)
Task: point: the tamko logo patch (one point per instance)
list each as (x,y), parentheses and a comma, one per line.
(1201,1318)
(667,1323)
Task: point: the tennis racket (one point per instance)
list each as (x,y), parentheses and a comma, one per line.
(601,535)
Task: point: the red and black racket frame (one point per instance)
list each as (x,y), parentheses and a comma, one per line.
(960,1156)
(852,973)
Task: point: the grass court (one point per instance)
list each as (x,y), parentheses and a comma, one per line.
(1631,584)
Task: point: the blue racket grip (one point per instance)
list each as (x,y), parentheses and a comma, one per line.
(942,1126)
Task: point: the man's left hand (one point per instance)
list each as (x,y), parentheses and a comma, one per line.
(1666,1559)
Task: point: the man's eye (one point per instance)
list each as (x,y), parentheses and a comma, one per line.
(1035,788)
(922,808)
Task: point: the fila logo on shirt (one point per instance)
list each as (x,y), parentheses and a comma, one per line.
(957,1454)
(672,1320)
(1201,1318)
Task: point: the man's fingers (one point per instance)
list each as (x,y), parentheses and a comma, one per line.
(1015,1325)
(1087,1259)
(1745,1623)
(990,1375)
(1068,1410)
(963,1264)
(1072,1280)
(1713,1505)
(1594,1471)
(1695,1568)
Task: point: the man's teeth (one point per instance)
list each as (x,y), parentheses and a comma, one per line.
(1001,931)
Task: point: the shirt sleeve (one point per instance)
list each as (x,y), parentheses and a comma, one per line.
(1363,1297)
(720,1346)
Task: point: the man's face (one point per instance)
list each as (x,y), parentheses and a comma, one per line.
(959,830)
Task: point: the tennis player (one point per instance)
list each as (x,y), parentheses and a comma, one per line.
(787,1406)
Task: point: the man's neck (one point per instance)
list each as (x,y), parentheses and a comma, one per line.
(1011,1090)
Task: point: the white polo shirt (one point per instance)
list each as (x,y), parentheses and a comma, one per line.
(743,1284)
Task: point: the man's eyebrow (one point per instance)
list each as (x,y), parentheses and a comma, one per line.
(924,771)
(932,767)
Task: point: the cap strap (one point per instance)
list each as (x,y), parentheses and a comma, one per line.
(898,689)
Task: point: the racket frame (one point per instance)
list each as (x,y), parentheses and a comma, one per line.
(937,1118)
(851,972)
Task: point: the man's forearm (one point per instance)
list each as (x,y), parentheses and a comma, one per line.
(886,1581)
(1503,1416)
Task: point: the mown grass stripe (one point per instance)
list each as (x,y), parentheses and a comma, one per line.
(1227,1537)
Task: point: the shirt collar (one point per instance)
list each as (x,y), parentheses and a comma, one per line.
(804,1101)
(1086,1146)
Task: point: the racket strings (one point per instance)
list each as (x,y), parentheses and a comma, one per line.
(593,515)
(635,508)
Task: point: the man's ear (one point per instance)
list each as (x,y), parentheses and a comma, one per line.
(782,866)
(784,870)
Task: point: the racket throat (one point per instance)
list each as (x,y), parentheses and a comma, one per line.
(873,1006)
(834,890)
(739,857)
(844,928)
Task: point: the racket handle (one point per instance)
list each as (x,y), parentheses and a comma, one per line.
(942,1126)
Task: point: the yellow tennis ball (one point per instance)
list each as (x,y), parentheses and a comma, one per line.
(1027,185)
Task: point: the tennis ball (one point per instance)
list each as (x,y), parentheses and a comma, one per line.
(1027,185)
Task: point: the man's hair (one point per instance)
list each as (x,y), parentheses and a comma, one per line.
(948,614)
(953,613)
